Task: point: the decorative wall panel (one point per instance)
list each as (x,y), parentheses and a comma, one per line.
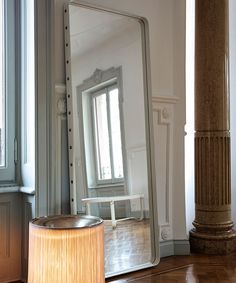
(163,123)
(10,237)
(5,229)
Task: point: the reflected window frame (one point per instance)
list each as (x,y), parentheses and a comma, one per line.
(97,148)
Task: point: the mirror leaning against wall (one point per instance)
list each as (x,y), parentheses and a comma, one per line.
(109,132)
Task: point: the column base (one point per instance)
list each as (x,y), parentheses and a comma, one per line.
(221,244)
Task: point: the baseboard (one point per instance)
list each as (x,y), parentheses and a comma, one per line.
(174,247)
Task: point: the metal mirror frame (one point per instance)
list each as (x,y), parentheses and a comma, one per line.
(154,227)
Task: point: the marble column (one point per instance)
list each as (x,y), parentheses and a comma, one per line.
(213,228)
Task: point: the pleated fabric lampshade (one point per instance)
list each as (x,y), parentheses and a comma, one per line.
(66,249)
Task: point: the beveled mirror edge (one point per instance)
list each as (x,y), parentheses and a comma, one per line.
(150,139)
(148,122)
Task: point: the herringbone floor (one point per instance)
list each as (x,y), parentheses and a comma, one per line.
(186,269)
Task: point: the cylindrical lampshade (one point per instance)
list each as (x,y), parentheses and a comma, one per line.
(66,249)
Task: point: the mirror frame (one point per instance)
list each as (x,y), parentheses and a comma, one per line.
(154,227)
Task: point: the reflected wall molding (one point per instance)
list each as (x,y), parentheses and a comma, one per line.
(60,91)
(163,127)
(134,154)
(131,151)
(168,99)
(59,116)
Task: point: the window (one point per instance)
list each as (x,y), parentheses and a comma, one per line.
(8,82)
(107,135)
(16,91)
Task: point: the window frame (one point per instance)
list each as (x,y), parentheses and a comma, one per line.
(9,172)
(106,89)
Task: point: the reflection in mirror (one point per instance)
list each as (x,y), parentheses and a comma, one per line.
(109,132)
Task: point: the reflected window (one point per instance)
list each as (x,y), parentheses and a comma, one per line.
(101,128)
(107,135)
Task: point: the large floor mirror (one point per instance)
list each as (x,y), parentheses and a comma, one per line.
(109,131)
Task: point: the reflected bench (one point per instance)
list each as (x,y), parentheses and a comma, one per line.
(112,200)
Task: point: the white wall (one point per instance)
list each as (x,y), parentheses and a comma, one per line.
(166,20)
(189,127)
(179,217)
(159,15)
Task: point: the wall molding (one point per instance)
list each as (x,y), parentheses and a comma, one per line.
(44,123)
(163,128)
(174,247)
(28,213)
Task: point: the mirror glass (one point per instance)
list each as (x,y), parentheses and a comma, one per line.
(109,132)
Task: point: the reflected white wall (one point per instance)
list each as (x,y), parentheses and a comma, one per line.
(123,49)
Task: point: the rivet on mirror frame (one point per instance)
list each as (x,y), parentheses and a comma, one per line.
(65,11)
(69,112)
(67,44)
(70,147)
(68,78)
(72,199)
(67,62)
(71,164)
(65,27)
(71,181)
(68,95)
(69,130)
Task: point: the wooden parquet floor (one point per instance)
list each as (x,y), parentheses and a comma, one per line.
(186,269)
